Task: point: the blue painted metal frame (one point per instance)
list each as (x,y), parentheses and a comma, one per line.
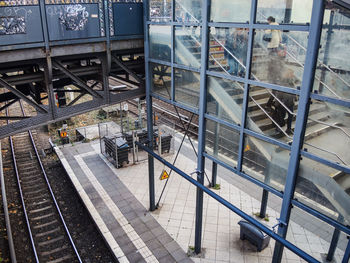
(304,95)
(149,111)
(201,130)
(233,208)
(300,126)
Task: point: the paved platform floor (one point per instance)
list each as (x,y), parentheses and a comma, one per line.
(118,201)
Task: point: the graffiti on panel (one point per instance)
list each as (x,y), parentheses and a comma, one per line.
(74,17)
(11,25)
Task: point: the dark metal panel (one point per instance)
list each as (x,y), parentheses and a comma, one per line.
(19,25)
(73,21)
(128,19)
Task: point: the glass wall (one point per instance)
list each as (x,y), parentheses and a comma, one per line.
(271,113)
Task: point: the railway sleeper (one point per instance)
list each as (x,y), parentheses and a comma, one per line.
(40,209)
(29,177)
(53,251)
(49,232)
(44,196)
(51,241)
(35,191)
(48,224)
(43,217)
(39,203)
(64,258)
(28,186)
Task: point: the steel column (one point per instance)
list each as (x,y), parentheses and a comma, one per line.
(201,130)
(300,127)
(246,87)
(152,205)
(346,257)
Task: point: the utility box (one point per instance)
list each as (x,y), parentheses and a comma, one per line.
(254,235)
(118,149)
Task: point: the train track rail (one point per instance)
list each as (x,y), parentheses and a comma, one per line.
(48,233)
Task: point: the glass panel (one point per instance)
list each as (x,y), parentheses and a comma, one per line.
(332,76)
(230,11)
(188,11)
(313,236)
(325,189)
(278,57)
(187,87)
(160,42)
(285,11)
(328,123)
(161,76)
(188,46)
(228,50)
(266,162)
(272,113)
(160,10)
(222,142)
(225,98)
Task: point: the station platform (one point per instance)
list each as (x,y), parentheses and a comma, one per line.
(118,201)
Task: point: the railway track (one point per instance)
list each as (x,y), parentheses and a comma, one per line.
(48,234)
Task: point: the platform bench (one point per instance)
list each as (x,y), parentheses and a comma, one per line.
(254,235)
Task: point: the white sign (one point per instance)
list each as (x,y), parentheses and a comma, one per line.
(126,107)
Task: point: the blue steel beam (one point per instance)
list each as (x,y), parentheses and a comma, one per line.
(201,122)
(301,121)
(152,204)
(233,208)
(246,87)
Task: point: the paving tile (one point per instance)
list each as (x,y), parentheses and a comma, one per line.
(167,259)
(136,258)
(178,255)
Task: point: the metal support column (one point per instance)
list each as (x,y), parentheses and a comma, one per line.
(300,127)
(334,242)
(264,200)
(201,129)
(214,170)
(152,205)
(346,257)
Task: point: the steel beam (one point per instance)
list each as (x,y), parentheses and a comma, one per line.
(128,70)
(301,121)
(80,82)
(152,202)
(201,130)
(20,95)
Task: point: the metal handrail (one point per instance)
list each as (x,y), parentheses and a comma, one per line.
(271,93)
(303,48)
(333,153)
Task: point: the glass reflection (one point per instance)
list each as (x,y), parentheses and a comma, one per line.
(160,42)
(228,50)
(230,11)
(325,189)
(188,11)
(187,87)
(188,46)
(285,11)
(266,162)
(272,113)
(222,142)
(161,80)
(224,99)
(332,76)
(328,123)
(278,57)
(160,10)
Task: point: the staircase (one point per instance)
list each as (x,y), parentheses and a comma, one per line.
(331,194)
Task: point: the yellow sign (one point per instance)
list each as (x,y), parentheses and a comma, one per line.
(247,148)
(63,134)
(164,175)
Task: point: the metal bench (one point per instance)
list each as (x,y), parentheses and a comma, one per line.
(254,235)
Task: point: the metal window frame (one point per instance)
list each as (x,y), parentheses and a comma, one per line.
(305,94)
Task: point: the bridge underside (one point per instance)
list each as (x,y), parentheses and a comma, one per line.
(68,80)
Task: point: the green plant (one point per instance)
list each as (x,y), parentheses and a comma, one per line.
(216,187)
(266,218)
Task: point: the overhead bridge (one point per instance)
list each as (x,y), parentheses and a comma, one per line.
(64,58)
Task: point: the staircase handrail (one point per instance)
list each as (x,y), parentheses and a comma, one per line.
(327,151)
(303,48)
(270,92)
